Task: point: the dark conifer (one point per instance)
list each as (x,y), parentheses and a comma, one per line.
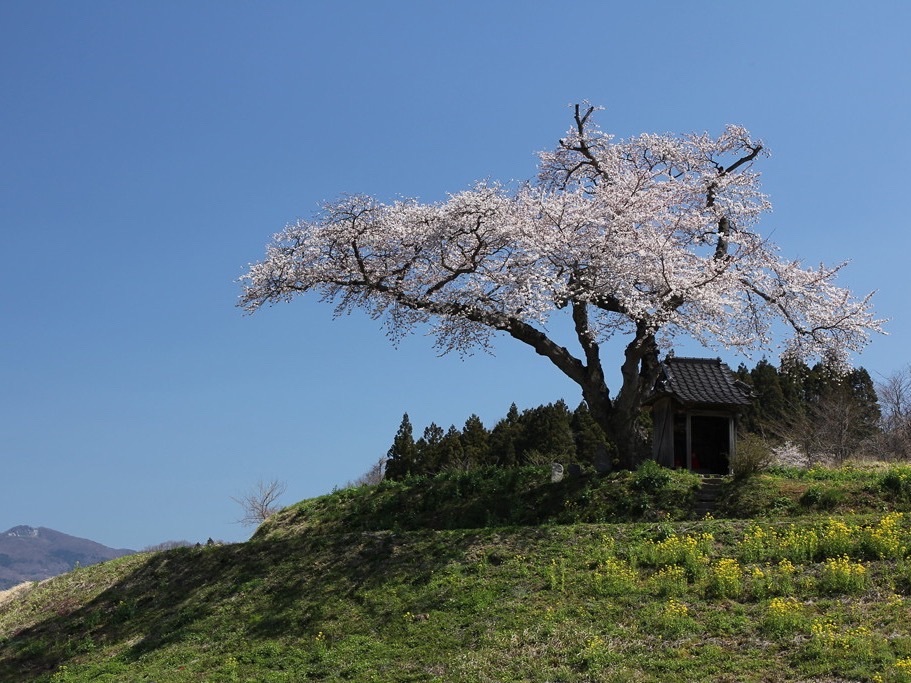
(589,438)
(547,433)
(475,442)
(769,409)
(402,455)
(429,456)
(451,454)
(503,439)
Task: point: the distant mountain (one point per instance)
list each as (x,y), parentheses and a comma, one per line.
(31,554)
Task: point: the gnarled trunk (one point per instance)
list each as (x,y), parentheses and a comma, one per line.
(620,417)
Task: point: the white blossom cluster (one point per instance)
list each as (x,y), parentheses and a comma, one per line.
(649,236)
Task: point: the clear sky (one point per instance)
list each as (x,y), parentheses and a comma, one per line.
(148,150)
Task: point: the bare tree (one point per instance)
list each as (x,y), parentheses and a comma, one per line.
(895,401)
(371,477)
(834,427)
(837,423)
(259,503)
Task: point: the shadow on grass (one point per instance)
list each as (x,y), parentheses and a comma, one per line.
(491,497)
(264,589)
(317,556)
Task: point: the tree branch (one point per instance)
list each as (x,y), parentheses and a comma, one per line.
(724,223)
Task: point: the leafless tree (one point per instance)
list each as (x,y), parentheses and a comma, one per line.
(371,477)
(832,429)
(259,503)
(894,394)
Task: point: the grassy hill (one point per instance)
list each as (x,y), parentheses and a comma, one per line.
(503,576)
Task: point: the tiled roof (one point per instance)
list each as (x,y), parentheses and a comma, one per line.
(702,380)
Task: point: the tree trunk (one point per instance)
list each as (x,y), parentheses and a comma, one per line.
(639,371)
(619,418)
(620,421)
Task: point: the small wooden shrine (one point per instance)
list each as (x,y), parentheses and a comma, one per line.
(695,406)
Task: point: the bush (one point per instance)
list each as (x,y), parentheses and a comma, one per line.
(752,456)
(897,481)
(822,497)
(651,477)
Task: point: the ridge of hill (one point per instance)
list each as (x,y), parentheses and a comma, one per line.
(36,553)
(338,589)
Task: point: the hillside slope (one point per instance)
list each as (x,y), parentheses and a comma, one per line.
(807,597)
(32,554)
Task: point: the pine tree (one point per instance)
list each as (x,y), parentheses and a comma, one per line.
(547,433)
(769,409)
(429,456)
(451,454)
(864,391)
(402,455)
(591,443)
(475,442)
(503,439)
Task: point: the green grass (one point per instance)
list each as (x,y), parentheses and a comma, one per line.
(341,588)
(494,497)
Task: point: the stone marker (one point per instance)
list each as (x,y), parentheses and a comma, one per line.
(556,472)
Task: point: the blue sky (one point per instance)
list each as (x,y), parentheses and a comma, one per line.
(150,149)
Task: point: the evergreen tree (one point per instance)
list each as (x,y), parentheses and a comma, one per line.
(591,443)
(451,454)
(821,409)
(864,391)
(794,379)
(429,455)
(547,433)
(503,439)
(476,442)
(769,409)
(402,455)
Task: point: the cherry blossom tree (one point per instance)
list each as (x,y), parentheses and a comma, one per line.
(649,239)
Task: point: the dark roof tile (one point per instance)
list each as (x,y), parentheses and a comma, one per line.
(702,380)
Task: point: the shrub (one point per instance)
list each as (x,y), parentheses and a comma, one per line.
(897,481)
(822,497)
(751,456)
(651,477)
